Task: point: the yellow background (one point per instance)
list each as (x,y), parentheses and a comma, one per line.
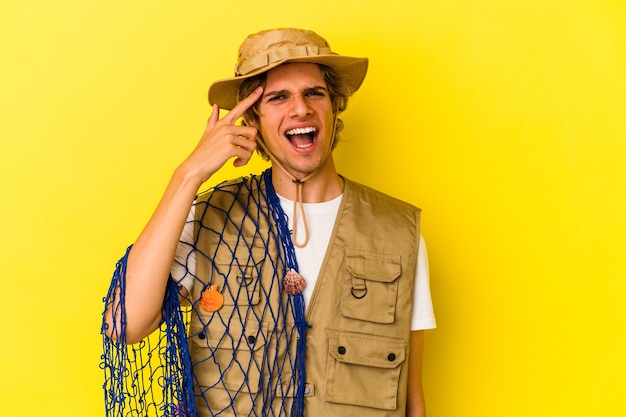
(503,120)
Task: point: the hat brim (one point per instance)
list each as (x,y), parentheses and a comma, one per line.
(353,70)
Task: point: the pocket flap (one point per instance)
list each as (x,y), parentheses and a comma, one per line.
(368,350)
(229,358)
(234,337)
(238,266)
(373,266)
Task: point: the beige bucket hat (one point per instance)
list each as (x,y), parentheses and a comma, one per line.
(265,50)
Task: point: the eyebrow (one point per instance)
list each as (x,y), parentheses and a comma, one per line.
(287,92)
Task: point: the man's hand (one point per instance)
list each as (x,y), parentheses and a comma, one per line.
(223,140)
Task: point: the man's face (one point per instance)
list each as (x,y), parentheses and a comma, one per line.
(296,117)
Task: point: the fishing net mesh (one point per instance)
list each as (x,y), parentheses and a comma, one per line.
(210,363)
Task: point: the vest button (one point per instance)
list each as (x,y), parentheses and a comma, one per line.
(391,357)
(202,336)
(341,350)
(251,339)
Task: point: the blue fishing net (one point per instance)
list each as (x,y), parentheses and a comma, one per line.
(156,377)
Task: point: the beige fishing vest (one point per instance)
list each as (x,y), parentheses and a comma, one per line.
(357,346)
(360,310)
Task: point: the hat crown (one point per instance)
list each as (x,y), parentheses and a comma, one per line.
(264,48)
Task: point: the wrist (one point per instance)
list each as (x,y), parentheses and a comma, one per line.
(187,177)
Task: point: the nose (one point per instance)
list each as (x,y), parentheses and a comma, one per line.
(300,106)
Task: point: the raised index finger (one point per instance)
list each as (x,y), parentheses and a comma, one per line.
(242,106)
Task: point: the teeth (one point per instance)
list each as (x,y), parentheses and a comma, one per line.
(301,131)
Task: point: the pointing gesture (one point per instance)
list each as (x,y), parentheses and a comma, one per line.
(223,140)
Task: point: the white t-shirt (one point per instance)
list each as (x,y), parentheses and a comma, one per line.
(321,220)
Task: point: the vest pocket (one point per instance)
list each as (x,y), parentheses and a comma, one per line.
(229,358)
(370,285)
(238,266)
(239,285)
(363,369)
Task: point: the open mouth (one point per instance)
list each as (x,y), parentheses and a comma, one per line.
(302,137)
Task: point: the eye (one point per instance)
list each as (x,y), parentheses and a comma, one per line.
(315,93)
(276,97)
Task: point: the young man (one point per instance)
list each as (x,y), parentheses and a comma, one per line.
(308,292)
